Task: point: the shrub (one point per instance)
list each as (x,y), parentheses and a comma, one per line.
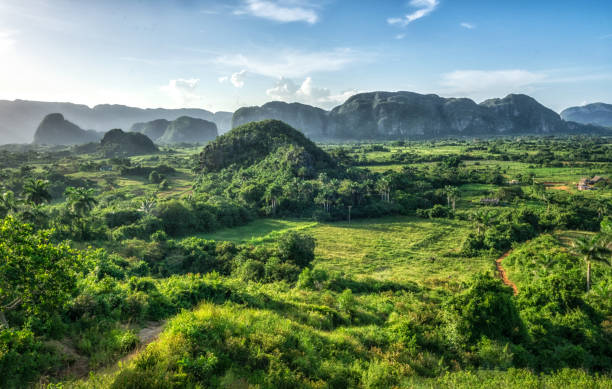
(297,247)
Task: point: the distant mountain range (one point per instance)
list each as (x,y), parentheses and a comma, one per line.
(364,116)
(407,115)
(596,113)
(20,118)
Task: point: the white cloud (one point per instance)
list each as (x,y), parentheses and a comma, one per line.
(283,11)
(307,93)
(237,79)
(424,8)
(467,25)
(223,79)
(293,63)
(400,36)
(183,91)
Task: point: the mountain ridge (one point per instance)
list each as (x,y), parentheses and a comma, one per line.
(20,118)
(595,113)
(385,115)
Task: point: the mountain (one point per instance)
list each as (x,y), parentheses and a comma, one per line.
(19,118)
(254,142)
(386,115)
(119,143)
(182,130)
(401,115)
(189,130)
(55,130)
(597,113)
(223,120)
(153,129)
(309,120)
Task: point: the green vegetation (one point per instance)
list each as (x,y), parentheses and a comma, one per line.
(237,265)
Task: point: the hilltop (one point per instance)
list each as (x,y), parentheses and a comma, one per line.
(597,113)
(182,130)
(251,143)
(311,121)
(56,130)
(119,143)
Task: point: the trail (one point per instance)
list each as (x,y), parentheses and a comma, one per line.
(503,274)
(146,335)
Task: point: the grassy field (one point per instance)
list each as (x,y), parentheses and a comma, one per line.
(394,248)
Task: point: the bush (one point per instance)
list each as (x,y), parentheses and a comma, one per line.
(297,247)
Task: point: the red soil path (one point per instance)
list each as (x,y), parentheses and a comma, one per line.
(503,274)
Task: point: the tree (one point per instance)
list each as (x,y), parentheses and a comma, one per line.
(148,205)
(591,249)
(452,194)
(482,218)
(81,202)
(35,275)
(383,186)
(8,203)
(297,247)
(36,191)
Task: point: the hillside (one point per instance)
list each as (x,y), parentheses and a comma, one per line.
(401,115)
(19,118)
(309,120)
(250,143)
(119,143)
(55,130)
(597,113)
(182,130)
(153,129)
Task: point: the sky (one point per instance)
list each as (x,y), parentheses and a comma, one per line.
(221,55)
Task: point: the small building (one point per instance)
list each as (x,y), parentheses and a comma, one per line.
(513,182)
(587,183)
(106,168)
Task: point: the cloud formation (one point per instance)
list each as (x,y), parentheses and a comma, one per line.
(293,63)
(183,91)
(307,93)
(237,79)
(467,25)
(283,11)
(424,8)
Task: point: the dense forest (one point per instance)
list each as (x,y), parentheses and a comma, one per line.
(263,259)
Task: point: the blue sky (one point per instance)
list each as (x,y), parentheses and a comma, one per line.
(220,55)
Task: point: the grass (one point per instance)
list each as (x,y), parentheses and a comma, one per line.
(258,231)
(400,249)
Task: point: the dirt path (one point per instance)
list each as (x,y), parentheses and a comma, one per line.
(146,335)
(503,274)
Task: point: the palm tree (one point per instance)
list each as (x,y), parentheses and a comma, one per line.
(383,186)
(452,194)
(81,200)
(591,249)
(37,191)
(148,205)
(482,218)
